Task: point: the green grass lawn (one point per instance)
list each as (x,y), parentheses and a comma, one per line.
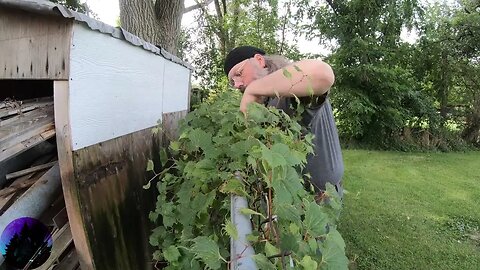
(412,210)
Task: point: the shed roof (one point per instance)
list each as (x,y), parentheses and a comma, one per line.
(49,8)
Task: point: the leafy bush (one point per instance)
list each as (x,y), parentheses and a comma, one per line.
(217,147)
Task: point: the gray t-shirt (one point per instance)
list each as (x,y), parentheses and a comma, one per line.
(326,164)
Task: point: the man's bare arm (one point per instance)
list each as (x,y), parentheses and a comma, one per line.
(315,78)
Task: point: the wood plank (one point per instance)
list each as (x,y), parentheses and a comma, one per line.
(68,262)
(25,181)
(24,108)
(29,170)
(61,240)
(25,127)
(61,93)
(42,126)
(24,160)
(25,117)
(34,46)
(29,143)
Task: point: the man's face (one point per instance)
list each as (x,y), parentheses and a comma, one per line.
(245,72)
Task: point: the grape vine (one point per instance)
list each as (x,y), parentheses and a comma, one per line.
(201,169)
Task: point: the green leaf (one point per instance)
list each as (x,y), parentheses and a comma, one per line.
(287,73)
(272,158)
(248,211)
(233,186)
(287,212)
(271,250)
(147,186)
(313,244)
(163,156)
(253,237)
(171,254)
(175,146)
(297,68)
(263,263)
(201,138)
(308,264)
(231,230)
(333,251)
(310,91)
(207,250)
(153,216)
(150,165)
(293,228)
(315,219)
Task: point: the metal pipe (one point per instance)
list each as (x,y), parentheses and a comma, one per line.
(241,251)
(35,200)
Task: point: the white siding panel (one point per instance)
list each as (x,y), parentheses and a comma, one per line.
(176,88)
(115,88)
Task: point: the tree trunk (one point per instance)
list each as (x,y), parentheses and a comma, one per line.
(156,22)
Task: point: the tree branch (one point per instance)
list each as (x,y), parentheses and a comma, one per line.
(197,6)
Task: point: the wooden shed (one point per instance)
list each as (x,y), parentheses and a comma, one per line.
(109,89)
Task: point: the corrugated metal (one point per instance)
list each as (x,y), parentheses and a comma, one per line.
(49,8)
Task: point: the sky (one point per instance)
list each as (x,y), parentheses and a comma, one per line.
(108,11)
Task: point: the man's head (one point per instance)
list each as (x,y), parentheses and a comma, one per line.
(244,65)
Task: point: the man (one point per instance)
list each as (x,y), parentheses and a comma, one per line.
(261,79)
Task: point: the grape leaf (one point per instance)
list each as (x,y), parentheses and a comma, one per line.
(247,212)
(231,230)
(308,264)
(271,250)
(207,250)
(263,263)
(150,165)
(333,251)
(171,254)
(163,156)
(315,219)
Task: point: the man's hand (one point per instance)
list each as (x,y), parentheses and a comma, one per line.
(247,99)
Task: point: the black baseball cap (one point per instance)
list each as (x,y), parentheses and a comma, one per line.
(239,54)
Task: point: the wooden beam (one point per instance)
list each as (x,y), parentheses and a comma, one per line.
(70,186)
(30,170)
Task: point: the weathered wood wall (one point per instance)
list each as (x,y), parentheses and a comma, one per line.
(33,46)
(104,115)
(102,184)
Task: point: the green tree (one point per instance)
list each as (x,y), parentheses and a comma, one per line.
(75,5)
(446,62)
(373,84)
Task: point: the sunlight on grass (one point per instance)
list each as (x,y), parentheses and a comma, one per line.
(412,211)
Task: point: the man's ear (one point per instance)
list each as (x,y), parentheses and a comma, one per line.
(260,59)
